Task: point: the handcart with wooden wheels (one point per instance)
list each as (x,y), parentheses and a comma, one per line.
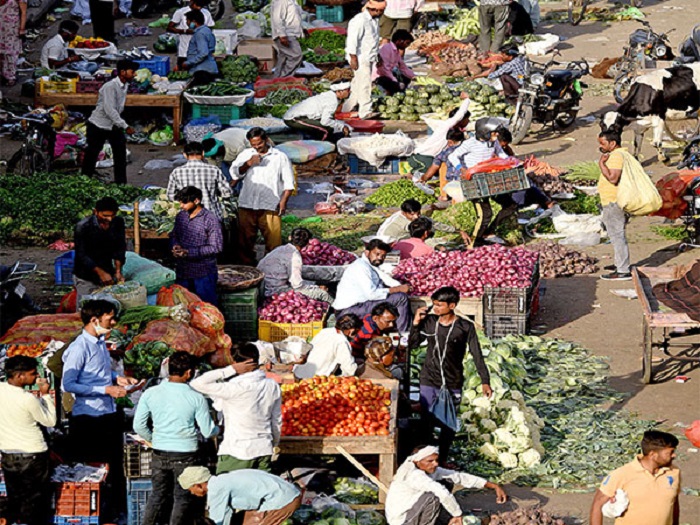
(661,326)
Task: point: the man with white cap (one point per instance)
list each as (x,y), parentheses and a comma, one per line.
(362,52)
(315,116)
(265,499)
(416,495)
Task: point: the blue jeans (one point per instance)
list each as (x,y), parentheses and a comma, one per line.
(204,287)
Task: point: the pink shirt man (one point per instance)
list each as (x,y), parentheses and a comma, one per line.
(412,248)
(389,59)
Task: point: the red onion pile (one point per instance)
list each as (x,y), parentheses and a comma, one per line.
(469,271)
(292,307)
(321,253)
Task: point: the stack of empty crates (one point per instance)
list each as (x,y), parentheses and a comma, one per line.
(78,502)
(137,470)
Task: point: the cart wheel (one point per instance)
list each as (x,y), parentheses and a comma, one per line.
(683,247)
(646,353)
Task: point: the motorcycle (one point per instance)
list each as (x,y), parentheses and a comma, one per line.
(15,302)
(147,8)
(691,155)
(643,44)
(548,96)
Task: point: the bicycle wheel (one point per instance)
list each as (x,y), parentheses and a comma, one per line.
(28,162)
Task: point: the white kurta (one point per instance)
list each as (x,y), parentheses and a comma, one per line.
(264,184)
(331,350)
(363,41)
(320,107)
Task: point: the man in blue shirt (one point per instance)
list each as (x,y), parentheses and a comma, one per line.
(175,411)
(95,426)
(266,499)
(200,53)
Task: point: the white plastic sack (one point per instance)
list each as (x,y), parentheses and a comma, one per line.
(249,27)
(376,148)
(582,239)
(617,508)
(546,45)
(569,223)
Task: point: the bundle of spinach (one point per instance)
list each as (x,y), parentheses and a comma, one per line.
(47,206)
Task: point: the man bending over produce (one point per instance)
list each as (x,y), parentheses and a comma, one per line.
(362,287)
(449,337)
(651,483)
(282,268)
(396,226)
(175,412)
(330,352)
(391,73)
(225,146)
(315,116)
(195,241)
(252,408)
(416,494)
(265,499)
(362,51)
(100,248)
(268,182)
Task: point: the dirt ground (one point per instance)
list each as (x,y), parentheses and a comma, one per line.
(579,309)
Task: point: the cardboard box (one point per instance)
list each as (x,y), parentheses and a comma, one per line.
(260,48)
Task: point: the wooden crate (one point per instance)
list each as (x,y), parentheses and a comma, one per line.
(472,307)
(383,446)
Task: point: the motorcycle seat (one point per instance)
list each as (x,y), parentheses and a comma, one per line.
(563,75)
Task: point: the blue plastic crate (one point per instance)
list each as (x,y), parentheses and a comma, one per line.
(76,520)
(361,167)
(63,269)
(3,489)
(137,492)
(158,65)
(329,13)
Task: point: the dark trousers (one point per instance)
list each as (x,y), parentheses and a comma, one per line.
(96,138)
(399,300)
(313,129)
(390,86)
(169,502)
(27,480)
(102,16)
(428,394)
(99,439)
(425,511)
(204,287)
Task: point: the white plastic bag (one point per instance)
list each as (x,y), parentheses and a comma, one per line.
(618,507)
(376,148)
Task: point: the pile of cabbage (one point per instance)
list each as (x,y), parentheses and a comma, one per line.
(506,429)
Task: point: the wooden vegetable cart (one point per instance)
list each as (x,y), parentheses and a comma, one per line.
(659,323)
(383,446)
(137,233)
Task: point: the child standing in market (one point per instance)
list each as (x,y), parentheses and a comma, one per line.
(449,337)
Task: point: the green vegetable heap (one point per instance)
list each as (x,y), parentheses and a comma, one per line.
(395,193)
(409,106)
(285,96)
(239,69)
(485,101)
(145,358)
(328,40)
(219,89)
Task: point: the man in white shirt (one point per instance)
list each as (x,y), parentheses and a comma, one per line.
(54,54)
(416,495)
(25,456)
(285,19)
(362,50)
(331,350)
(268,182)
(252,408)
(395,227)
(362,287)
(315,116)
(178,25)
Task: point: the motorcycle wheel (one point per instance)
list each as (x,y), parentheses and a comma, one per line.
(520,124)
(217,8)
(623,83)
(29,162)
(565,119)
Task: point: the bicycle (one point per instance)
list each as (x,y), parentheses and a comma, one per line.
(38,142)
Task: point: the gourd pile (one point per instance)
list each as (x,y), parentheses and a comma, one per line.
(395,193)
(486,102)
(409,106)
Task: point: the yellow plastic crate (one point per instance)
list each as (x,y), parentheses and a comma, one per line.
(57,86)
(273,332)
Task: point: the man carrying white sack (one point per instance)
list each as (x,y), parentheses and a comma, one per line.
(362,52)
(416,494)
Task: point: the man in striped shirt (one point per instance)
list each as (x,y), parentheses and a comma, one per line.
(202,175)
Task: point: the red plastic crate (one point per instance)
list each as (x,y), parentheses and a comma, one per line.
(78,499)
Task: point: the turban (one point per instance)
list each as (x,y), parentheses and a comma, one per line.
(409,465)
(340,86)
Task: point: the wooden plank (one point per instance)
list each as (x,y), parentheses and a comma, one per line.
(387,468)
(90,99)
(145,234)
(359,466)
(314,445)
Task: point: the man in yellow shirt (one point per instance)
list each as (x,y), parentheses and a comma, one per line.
(651,482)
(611,163)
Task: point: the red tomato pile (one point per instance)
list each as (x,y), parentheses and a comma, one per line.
(335,406)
